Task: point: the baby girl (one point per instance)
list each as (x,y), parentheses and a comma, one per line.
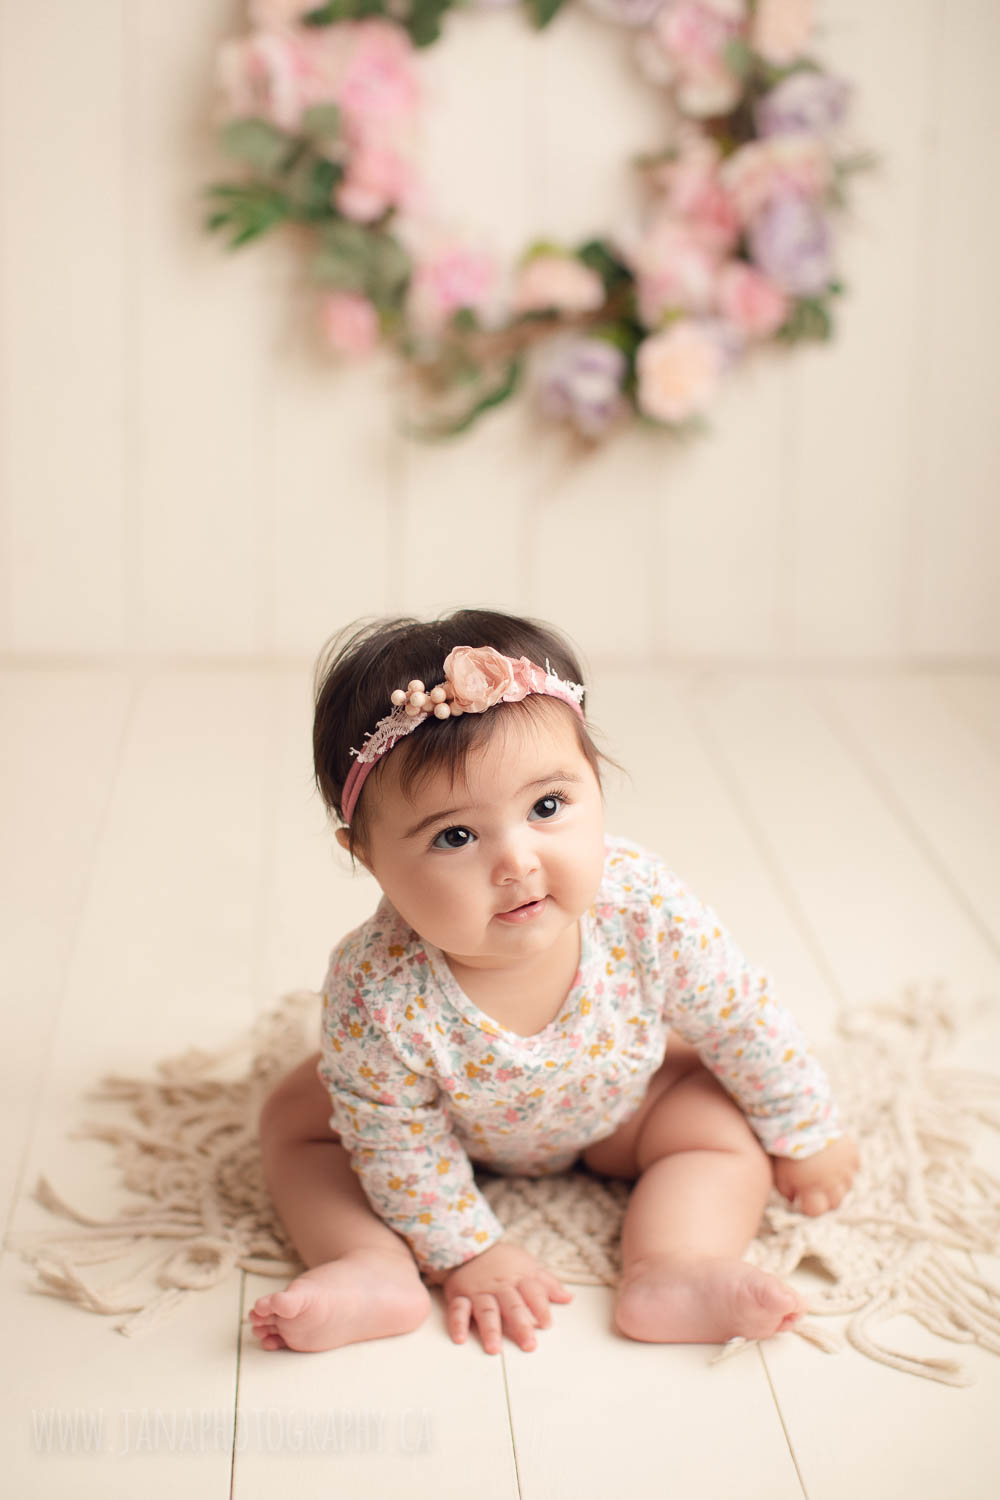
(529,992)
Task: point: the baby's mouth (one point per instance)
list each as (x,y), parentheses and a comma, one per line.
(526,910)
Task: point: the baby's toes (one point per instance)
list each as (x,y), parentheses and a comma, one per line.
(814,1201)
(291,1302)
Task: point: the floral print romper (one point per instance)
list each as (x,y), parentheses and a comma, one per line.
(423,1084)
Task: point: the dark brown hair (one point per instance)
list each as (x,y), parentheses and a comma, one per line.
(360,668)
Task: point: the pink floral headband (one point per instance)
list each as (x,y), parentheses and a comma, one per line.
(475,678)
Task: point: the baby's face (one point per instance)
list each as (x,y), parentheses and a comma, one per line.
(523,827)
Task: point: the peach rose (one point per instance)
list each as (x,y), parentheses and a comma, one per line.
(558,281)
(781,29)
(749,300)
(678,372)
(479,675)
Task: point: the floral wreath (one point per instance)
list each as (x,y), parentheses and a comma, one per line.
(734,251)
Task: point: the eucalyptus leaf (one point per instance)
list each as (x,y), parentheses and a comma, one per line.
(322,122)
(542,12)
(257,142)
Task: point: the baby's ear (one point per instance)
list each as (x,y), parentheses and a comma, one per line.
(344,840)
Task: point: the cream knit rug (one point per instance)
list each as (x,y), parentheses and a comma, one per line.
(903,1241)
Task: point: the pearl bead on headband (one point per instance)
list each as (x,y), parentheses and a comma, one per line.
(475,679)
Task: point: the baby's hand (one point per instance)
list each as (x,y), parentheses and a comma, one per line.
(505,1290)
(814,1184)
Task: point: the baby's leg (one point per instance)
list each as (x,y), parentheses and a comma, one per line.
(703,1180)
(362,1281)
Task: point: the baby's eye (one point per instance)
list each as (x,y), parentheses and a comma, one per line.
(453,838)
(547,807)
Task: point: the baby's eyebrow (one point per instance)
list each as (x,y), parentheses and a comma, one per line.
(454,812)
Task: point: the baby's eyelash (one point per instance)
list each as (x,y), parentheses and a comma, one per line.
(559,793)
(556,791)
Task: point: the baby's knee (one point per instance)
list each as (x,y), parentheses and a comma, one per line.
(297,1108)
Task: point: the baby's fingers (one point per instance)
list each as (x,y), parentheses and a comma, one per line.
(459,1313)
(488,1321)
(556,1291)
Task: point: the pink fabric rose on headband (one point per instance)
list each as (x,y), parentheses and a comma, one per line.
(479,675)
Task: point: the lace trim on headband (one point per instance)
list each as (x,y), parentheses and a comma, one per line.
(396,725)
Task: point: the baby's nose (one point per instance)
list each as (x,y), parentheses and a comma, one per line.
(515,859)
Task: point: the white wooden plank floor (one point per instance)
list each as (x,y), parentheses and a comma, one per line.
(167,873)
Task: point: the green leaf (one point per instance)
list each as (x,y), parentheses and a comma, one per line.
(311,187)
(544,11)
(322,122)
(738,57)
(625,336)
(465,320)
(341,260)
(353,258)
(539,248)
(257,142)
(326,15)
(598,255)
(424,21)
(388,270)
(809,319)
(248,211)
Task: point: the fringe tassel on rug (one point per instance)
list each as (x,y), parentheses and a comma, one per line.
(901,1244)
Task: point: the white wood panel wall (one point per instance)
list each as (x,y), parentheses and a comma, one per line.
(182,470)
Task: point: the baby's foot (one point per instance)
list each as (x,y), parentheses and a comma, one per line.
(366,1294)
(704,1302)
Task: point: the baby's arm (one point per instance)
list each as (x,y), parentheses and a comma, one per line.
(723,1007)
(420,1182)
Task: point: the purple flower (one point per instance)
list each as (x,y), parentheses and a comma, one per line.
(582,383)
(805,102)
(790,242)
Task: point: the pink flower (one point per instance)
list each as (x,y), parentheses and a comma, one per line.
(693,191)
(685,48)
(750,301)
(274,75)
(560,282)
(674,271)
(678,375)
(377,179)
(479,675)
(351,325)
(763,170)
(781,29)
(378,85)
(449,279)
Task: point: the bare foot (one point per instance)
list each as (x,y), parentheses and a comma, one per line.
(704,1302)
(366,1294)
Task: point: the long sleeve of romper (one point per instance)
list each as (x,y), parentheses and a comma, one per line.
(721,1005)
(393,1123)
